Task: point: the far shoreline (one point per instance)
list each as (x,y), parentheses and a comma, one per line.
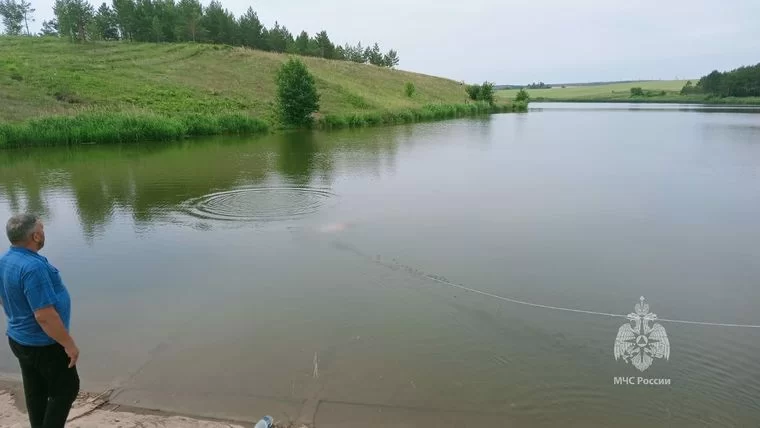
(653,100)
(635,92)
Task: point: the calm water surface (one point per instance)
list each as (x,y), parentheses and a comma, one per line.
(289,274)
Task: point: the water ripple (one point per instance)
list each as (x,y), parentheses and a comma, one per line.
(258,204)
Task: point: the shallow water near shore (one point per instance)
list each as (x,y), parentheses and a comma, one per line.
(294,274)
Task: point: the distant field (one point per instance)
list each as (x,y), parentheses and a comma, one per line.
(607,91)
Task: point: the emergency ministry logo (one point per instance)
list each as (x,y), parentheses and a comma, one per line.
(640,343)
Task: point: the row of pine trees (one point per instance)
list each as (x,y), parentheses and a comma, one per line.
(167,21)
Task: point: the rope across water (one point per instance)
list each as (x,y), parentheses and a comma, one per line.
(580,311)
(344,246)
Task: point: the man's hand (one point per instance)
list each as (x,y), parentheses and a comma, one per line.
(52,325)
(73,353)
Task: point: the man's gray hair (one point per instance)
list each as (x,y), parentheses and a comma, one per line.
(20,227)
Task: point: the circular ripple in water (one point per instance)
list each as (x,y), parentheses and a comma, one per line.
(258,204)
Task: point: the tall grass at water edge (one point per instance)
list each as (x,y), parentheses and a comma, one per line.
(426,113)
(145,127)
(123,128)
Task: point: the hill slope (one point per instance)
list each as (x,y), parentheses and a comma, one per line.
(40,77)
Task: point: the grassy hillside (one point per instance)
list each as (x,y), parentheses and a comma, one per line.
(47,76)
(621,92)
(160,91)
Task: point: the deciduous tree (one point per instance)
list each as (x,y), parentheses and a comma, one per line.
(26,10)
(74,18)
(13,16)
(297,95)
(49,28)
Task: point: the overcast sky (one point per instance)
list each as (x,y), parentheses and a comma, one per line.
(520,41)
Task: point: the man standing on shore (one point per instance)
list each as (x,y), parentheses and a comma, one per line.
(38,309)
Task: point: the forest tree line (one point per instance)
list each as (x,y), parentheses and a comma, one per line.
(741,82)
(539,85)
(164,21)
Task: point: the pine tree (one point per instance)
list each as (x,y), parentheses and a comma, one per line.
(340,53)
(325,48)
(105,24)
(390,59)
(124,11)
(301,44)
(186,20)
(250,29)
(357,54)
(280,38)
(220,25)
(374,56)
(155,27)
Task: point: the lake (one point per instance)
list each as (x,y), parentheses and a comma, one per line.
(319,276)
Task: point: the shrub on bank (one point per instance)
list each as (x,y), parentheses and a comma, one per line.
(522,96)
(519,106)
(409,89)
(484,92)
(473,91)
(297,96)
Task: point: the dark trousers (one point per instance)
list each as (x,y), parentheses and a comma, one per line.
(50,386)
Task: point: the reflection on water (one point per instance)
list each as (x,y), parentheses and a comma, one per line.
(291,274)
(150,181)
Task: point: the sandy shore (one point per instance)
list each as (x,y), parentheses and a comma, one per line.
(92,411)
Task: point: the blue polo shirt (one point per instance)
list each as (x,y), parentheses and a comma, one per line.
(28,283)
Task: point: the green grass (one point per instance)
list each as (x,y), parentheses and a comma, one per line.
(621,92)
(596,92)
(118,127)
(426,113)
(163,91)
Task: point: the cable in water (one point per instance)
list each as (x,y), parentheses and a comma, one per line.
(441,280)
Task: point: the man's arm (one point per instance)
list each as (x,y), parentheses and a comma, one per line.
(38,288)
(52,325)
